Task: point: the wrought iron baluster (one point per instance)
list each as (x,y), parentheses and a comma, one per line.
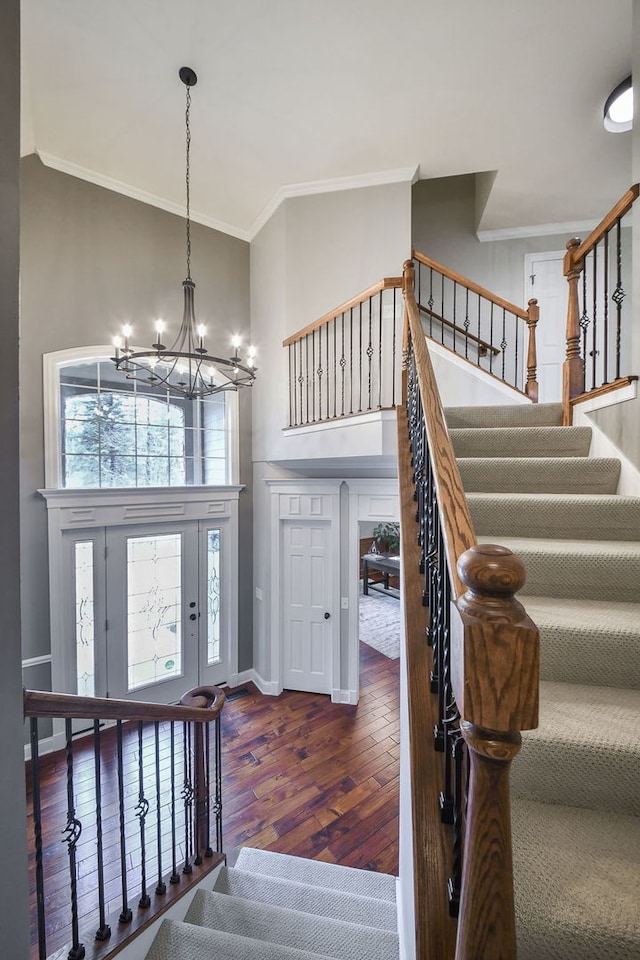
(594,325)
(458,753)
(394,368)
(370,352)
(466,323)
(584,318)
(126,913)
(442,306)
(104,930)
(380,350)
(37,839)
(360,355)
(175,876)
(430,301)
(141,811)
(71,834)
(605,315)
(217,805)
(313,376)
(290,379)
(300,379)
(343,364)
(450,715)
(455,300)
(335,367)
(319,372)
(351,360)
(503,342)
(618,295)
(161,886)
(491,338)
(187,796)
(516,350)
(478,353)
(207,792)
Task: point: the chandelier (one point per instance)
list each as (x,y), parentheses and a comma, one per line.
(185,367)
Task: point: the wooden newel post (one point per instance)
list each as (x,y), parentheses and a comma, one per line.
(573,369)
(408,286)
(531,386)
(495,670)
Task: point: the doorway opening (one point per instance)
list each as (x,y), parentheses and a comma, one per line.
(378,592)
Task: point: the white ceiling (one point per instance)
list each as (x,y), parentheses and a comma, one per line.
(292,92)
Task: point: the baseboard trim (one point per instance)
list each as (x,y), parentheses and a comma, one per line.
(269,687)
(344,696)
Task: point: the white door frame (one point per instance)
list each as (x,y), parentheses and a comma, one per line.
(369,500)
(300,499)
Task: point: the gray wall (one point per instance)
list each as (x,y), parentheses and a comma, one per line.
(444,227)
(13,878)
(92,259)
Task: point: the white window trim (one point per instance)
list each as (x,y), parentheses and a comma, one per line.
(51,363)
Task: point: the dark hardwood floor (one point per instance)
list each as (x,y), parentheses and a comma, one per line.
(301,775)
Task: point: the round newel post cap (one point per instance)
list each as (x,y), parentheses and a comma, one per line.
(490,570)
(573,243)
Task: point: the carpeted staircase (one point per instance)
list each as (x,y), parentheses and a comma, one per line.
(576,783)
(271,906)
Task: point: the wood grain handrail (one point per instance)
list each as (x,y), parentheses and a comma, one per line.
(389,283)
(470,285)
(616,213)
(201,704)
(457,526)
(463,333)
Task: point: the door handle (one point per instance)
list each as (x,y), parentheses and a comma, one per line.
(327,615)
(193,616)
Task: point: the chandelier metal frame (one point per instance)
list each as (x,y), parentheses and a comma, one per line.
(185,367)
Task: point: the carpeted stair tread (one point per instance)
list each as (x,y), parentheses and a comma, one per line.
(505,415)
(364,883)
(584,751)
(177,940)
(576,882)
(292,928)
(588,641)
(557,515)
(516,442)
(588,569)
(540,474)
(321,901)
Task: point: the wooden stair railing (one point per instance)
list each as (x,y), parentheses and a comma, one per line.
(596,277)
(484,679)
(161,765)
(469,314)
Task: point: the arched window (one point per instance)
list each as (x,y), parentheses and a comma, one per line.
(102,430)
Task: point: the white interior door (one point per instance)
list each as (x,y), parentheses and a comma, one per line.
(545,281)
(308,619)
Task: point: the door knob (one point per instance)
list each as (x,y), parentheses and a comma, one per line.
(193,616)
(327,615)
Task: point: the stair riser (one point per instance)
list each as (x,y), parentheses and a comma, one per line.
(509,415)
(530,475)
(584,577)
(537,442)
(588,659)
(617,519)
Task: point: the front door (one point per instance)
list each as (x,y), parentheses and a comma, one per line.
(148,620)
(307,615)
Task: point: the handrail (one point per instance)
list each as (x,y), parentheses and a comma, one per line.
(594,339)
(388,283)
(202,704)
(619,210)
(471,284)
(485,670)
(463,333)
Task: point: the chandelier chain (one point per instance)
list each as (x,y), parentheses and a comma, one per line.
(187,180)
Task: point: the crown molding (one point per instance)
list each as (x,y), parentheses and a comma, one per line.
(127,190)
(376,179)
(573,227)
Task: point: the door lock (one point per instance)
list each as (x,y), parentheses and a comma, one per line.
(327,615)
(193,616)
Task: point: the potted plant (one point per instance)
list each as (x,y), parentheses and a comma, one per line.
(387,538)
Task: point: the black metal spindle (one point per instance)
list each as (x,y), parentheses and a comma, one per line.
(313,376)
(515,356)
(503,342)
(104,930)
(319,371)
(335,367)
(594,325)
(584,318)
(343,364)
(175,876)
(466,323)
(37,839)
(455,302)
(187,796)
(161,886)
(141,811)
(605,315)
(618,295)
(459,798)
(369,353)
(290,381)
(360,354)
(478,355)
(207,793)
(218,793)
(380,350)
(126,913)
(491,338)
(351,360)
(430,301)
(442,306)
(306,367)
(71,835)
(300,379)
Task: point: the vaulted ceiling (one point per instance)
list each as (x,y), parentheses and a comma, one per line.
(294,95)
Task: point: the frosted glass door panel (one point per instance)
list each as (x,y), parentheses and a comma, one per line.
(85,618)
(213,597)
(154,609)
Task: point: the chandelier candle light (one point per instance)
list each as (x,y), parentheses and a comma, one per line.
(185,367)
